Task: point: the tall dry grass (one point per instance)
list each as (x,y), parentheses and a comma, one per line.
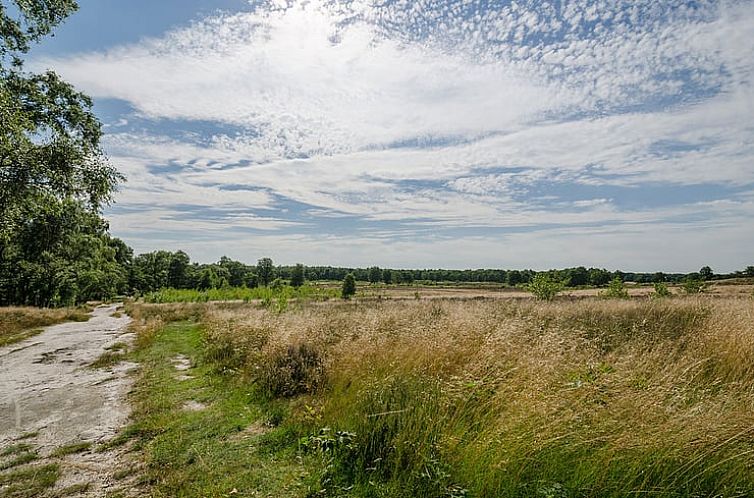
(496,398)
(18,323)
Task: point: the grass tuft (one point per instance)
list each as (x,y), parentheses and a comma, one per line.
(71,449)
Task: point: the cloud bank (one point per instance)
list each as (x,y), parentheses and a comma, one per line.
(438,133)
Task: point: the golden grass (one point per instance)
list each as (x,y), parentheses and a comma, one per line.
(585,397)
(607,397)
(19,323)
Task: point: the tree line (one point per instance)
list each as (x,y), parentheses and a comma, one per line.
(55,246)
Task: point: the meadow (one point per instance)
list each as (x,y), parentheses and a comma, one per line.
(483,398)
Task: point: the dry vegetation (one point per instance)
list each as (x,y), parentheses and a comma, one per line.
(502,398)
(19,323)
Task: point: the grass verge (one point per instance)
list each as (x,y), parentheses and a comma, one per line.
(207,452)
(19,323)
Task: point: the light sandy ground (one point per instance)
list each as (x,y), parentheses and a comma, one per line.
(47,388)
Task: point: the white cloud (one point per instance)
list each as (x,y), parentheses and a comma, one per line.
(487,103)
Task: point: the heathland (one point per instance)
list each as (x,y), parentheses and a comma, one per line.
(580,396)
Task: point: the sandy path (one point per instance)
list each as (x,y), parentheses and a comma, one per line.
(47,389)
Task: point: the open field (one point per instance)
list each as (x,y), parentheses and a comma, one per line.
(19,323)
(584,397)
(323,291)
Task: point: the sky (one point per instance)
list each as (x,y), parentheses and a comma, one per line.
(424,134)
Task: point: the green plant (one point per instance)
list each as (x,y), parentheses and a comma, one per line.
(295,369)
(692,285)
(615,290)
(545,287)
(661,290)
(349,287)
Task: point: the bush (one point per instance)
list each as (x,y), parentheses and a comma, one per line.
(544,287)
(694,285)
(661,290)
(615,290)
(349,286)
(295,369)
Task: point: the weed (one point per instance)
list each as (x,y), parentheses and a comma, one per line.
(107,360)
(71,449)
(16,449)
(29,482)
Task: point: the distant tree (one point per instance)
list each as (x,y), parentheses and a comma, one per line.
(349,286)
(598,277)
(545,287)
(208,279)
(298,275)
(661,290)
(659,277)
(251,280)
(233,271)
(578,276)
(694,284)
(407,276)
(615,290)
(514,278)
(265,271)
(387,276)
(749,271)
(178,270)
(706,273)
(375,275)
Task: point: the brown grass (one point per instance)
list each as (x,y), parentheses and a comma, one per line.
(611,396)
(19,323)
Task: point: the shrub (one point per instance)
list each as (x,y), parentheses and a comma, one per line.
(615,290)
(349,286)
(661,290)
(295,369)
(694,285)
(544,287)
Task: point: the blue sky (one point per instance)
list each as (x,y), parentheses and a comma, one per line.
(425,133)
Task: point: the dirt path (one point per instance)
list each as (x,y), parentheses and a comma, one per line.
(54,402)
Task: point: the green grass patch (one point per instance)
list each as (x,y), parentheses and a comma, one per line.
(74,490)
(207,452)
(107,359)
(71,449)
(16,449)
(29,482)
(20,459)
(268,295)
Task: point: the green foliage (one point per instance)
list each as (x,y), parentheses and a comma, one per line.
(375,275)
(298,275)
(266,294)
(54,178)
(387,276)
(227,449)
(694,285)
(616,289)
(706,273)
(265,271)
(349,287)
(545,287)
(661,290)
